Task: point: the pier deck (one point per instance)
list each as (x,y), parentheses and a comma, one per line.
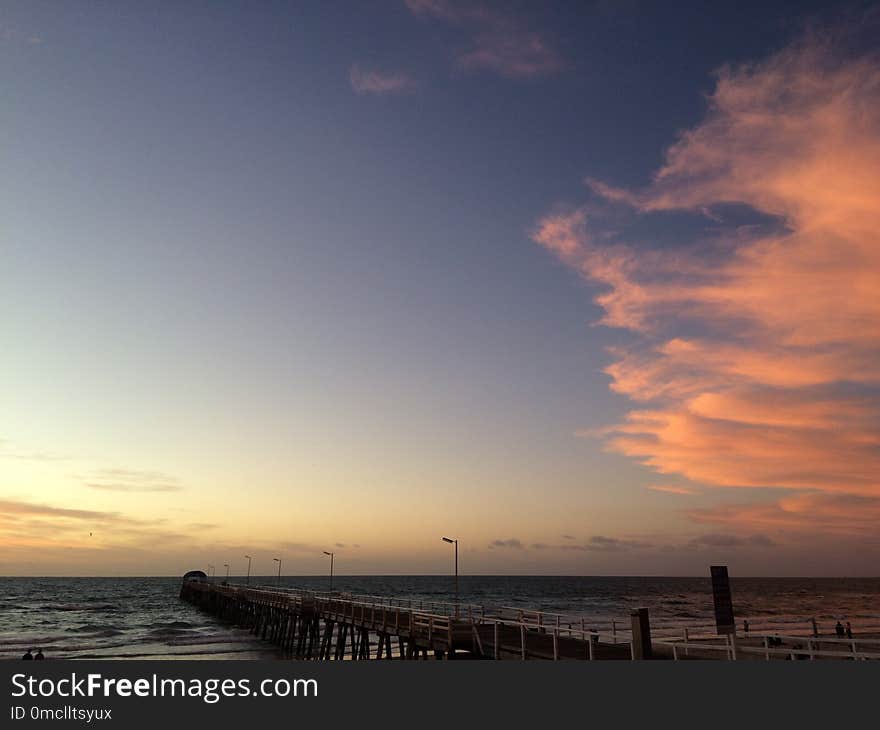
(337,626)
(307,625)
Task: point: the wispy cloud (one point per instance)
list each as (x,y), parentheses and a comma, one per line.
(15,508)
(849,515)
(44,526)
(597,543)
(9,450)
(16,36)
(671,489)
(120,487)
(756,352)
(600,543)
(721,540)
(372,81)
(129,480)
(499,42)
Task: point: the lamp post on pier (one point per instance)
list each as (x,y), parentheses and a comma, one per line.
(452,541)
(226,565)
(248,579)
(211,568)
(331,568)
(278,560)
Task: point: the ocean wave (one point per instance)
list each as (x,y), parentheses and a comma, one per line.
(29,641)
(86,606)
(207,641)
(171,625)
(264,651)
(95,629)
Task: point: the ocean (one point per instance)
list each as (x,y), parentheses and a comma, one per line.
(142,618)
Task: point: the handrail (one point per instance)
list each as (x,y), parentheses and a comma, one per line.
(393,608)
(813,648)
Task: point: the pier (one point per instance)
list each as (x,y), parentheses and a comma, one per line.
(308,625)
(337,626)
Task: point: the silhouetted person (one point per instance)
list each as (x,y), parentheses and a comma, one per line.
(28,656)
(39,655)
(746,625)
(839,630)
(848,630)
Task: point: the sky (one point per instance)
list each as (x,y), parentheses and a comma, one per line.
(592,287)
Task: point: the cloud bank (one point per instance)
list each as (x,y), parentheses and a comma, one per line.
(755,356)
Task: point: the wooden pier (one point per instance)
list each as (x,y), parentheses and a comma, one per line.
(343,626)
(308,625)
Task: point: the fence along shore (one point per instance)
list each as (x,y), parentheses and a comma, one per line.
(340,626)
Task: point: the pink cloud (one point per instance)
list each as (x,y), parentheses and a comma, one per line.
(515,54)
(445,9)
(779,388)
(499,42)
(380,82)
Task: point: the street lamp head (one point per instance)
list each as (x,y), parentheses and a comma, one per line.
(277,560)
(326,553)
(248,557)
(448,539)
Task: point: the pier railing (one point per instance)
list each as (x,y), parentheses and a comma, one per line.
(490,624)
(772,646)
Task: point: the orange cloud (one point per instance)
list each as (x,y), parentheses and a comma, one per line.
(757,351)
(845,515)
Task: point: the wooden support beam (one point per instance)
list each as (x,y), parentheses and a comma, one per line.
(381,646)
(365,643)
(341,634)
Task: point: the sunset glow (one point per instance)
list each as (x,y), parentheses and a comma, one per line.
(592,305)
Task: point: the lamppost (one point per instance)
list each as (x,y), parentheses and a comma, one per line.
(226,565)
(278,560)
(211,572)
(454,542)
(248,580)
(331,569)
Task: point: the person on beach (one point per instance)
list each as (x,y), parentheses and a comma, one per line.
(839,630)
(848,630)
(28,656)
(746,625)
(39,655)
